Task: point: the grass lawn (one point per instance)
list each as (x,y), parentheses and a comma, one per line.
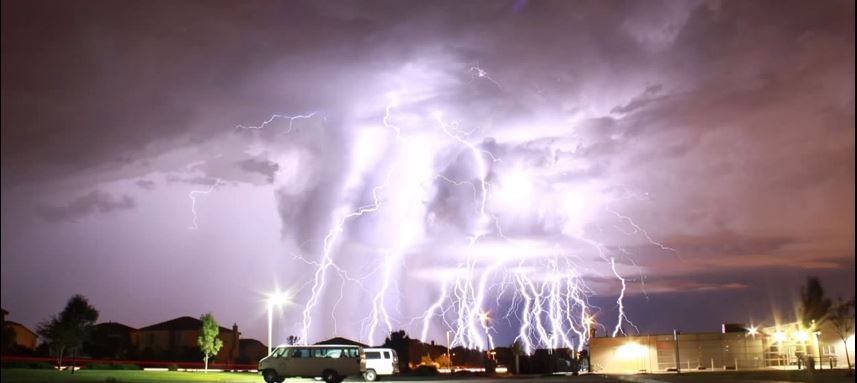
(15,375)
(823,376)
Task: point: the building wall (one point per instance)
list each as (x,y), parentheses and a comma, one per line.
(23,336)
(160,341)
(655,353)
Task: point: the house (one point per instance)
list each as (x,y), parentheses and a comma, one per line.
(111,340)
(251,351)
(24,337)
(176,340)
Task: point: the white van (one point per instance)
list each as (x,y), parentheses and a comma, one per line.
(333,363)
(380,361)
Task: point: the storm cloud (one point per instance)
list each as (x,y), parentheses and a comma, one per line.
(699,143)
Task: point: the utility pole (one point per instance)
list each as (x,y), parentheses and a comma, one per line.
(677,363)
(448,355)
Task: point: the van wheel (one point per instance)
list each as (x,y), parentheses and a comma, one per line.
(271,376)
(370,375)
(330,376)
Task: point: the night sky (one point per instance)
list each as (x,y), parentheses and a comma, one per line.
(704,148)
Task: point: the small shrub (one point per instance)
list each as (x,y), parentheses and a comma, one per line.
(41,366)
(110,366)
(173,367)
(25,364)
(425,370)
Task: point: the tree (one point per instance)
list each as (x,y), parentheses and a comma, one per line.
(814,306)
(442,360)
(399,341)
(208,341)
(841,316)
(426,360)
(67,331)
(293,340)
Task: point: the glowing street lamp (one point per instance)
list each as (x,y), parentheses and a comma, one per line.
(589,321)
(484,317)
(753,331)
(448,355)
(275,299)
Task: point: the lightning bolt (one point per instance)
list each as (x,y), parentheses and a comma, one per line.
(551,307)
(193,195)
(276,117)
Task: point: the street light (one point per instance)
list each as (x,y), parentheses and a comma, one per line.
(448,355)
(589,321)
(275,299)
(753,331)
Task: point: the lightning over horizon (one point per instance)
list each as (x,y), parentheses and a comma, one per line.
(546,296)
(528,174)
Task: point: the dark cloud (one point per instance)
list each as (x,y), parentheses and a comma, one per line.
(266,168)
(724,129)
(91,203)
(146,184)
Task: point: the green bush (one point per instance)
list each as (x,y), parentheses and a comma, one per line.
(425,370)
(29,365)
(173,367)
(108,366)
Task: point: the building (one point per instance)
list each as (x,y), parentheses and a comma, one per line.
(790,344)
(24,337)
(176,340)
(251,351)
(657,353)
(734,348)
(111,340)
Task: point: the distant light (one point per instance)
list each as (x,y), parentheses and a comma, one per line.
(588,320)
(779,336)
(484,317)
(278,299)
(801,336)
(753,330)
(631,350)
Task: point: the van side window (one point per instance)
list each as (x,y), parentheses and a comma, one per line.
(387,355)
(300,353)
(373,355)
(280,352)
(327,353)
(350,353)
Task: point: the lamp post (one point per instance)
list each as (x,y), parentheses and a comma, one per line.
(448,355)
(275,299)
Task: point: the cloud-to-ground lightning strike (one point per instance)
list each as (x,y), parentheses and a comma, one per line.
(193,194)
(546,297)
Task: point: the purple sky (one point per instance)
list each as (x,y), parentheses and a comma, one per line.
(705,147)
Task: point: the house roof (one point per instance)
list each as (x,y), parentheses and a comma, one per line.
(114,326)
(11,323)
(249,342)
(341,341)
(184,323)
